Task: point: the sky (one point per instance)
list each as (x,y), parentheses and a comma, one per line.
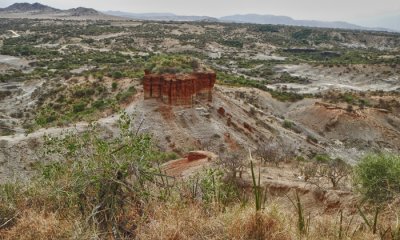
(326,10)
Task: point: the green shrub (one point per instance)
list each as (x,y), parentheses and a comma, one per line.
(45,116)
(79,107)
(302,34)
(378,176)
(114,85)
(97,185)
(286,96)
(322,158)
(117,75)
(287,124)
(348,97)
(124,96)
(172,64)
(311,139)
(210,186)
(84,92)
(163,157)
(99,104)
(88,41)
(287,78)
(232,43)
(267,28)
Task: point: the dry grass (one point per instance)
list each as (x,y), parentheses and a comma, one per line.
(247,224)
(32,225)
(328,227)
(175,222)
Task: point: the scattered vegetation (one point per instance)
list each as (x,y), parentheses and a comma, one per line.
(284,96)
(93,187)
(85,101)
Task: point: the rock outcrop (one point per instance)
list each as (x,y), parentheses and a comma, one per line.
(192,163)
(179,89)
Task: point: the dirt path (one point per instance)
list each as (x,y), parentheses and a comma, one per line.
(15,34)
(64,47)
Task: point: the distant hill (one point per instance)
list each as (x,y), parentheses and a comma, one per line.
(27,7)
(40,11)
(80,11)
(161,16)
(284,20)
(246,18)
(391,21)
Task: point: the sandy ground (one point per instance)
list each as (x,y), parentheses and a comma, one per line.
(324,78)
(13,61)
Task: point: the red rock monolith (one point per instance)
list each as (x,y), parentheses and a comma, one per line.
(179,89)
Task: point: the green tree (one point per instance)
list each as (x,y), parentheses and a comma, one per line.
(378,176)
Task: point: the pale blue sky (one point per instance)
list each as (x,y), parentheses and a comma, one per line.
(346,10)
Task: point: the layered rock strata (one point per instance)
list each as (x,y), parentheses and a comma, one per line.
(179,89)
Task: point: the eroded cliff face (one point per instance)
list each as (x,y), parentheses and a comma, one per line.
(179,89)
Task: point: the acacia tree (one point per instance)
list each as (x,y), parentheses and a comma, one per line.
(232,162)
(335,171)
(324,167)
(274,151)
